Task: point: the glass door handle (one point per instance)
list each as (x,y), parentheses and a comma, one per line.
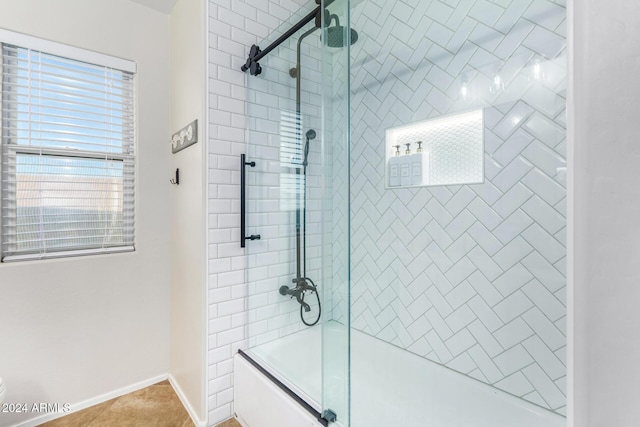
(243,201)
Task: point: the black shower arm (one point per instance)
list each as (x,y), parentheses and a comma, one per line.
(256,54)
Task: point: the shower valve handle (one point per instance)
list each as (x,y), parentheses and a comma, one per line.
(297,293)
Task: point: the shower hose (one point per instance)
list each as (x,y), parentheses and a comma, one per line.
(315,291)
(314,288)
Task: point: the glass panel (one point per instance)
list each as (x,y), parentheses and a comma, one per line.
(292,288)
(336,135)
(458,291)
(68,144)
(67,203)
(61,103)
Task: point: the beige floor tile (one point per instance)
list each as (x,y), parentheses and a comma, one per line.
(154,406)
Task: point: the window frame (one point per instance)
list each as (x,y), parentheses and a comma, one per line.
(127,157)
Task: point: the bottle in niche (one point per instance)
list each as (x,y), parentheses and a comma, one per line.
(419,166)
(405,167)
(394,168)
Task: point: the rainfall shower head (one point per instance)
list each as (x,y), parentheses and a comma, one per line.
(336,34)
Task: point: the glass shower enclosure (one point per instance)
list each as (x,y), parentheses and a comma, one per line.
(297,202)
(405,173)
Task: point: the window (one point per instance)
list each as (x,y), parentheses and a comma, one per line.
(67,151)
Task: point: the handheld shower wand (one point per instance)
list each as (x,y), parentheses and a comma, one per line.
(311,134)
(301,281)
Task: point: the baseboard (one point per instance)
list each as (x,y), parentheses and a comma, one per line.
(75,407)
(242,422)
(185,402)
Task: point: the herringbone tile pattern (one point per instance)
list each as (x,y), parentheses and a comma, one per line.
(470,276)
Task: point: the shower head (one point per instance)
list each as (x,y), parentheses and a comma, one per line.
(336,34)
(311,134)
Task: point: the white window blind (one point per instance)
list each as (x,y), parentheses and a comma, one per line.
(67,156)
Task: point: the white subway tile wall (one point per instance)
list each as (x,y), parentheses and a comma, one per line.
(277,180)
(469,276)
(234,26)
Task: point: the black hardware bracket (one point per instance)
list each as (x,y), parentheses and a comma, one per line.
(252,63)
(256,54)
(330,416)
(320,417)
(176,181)
(243,201)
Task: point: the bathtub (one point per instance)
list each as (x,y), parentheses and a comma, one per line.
(389,387)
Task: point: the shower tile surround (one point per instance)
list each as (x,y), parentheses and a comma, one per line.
(272,187)
(483,321)
(234,303)
(469,276)
(452,151)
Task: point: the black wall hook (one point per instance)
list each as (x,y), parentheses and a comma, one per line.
(176,181)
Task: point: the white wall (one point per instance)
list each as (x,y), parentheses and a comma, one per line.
(606,276)
(188,231)
(74,329)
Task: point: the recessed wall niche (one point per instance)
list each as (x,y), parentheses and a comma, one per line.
(447,150)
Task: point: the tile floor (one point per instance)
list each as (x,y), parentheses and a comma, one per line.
(230,423)
(154,406)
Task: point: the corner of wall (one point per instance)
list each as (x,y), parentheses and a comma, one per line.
(187,23)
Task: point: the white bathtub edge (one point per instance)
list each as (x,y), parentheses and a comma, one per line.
(260,403)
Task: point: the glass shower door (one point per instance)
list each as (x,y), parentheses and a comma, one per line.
(296,279)
(336,331)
